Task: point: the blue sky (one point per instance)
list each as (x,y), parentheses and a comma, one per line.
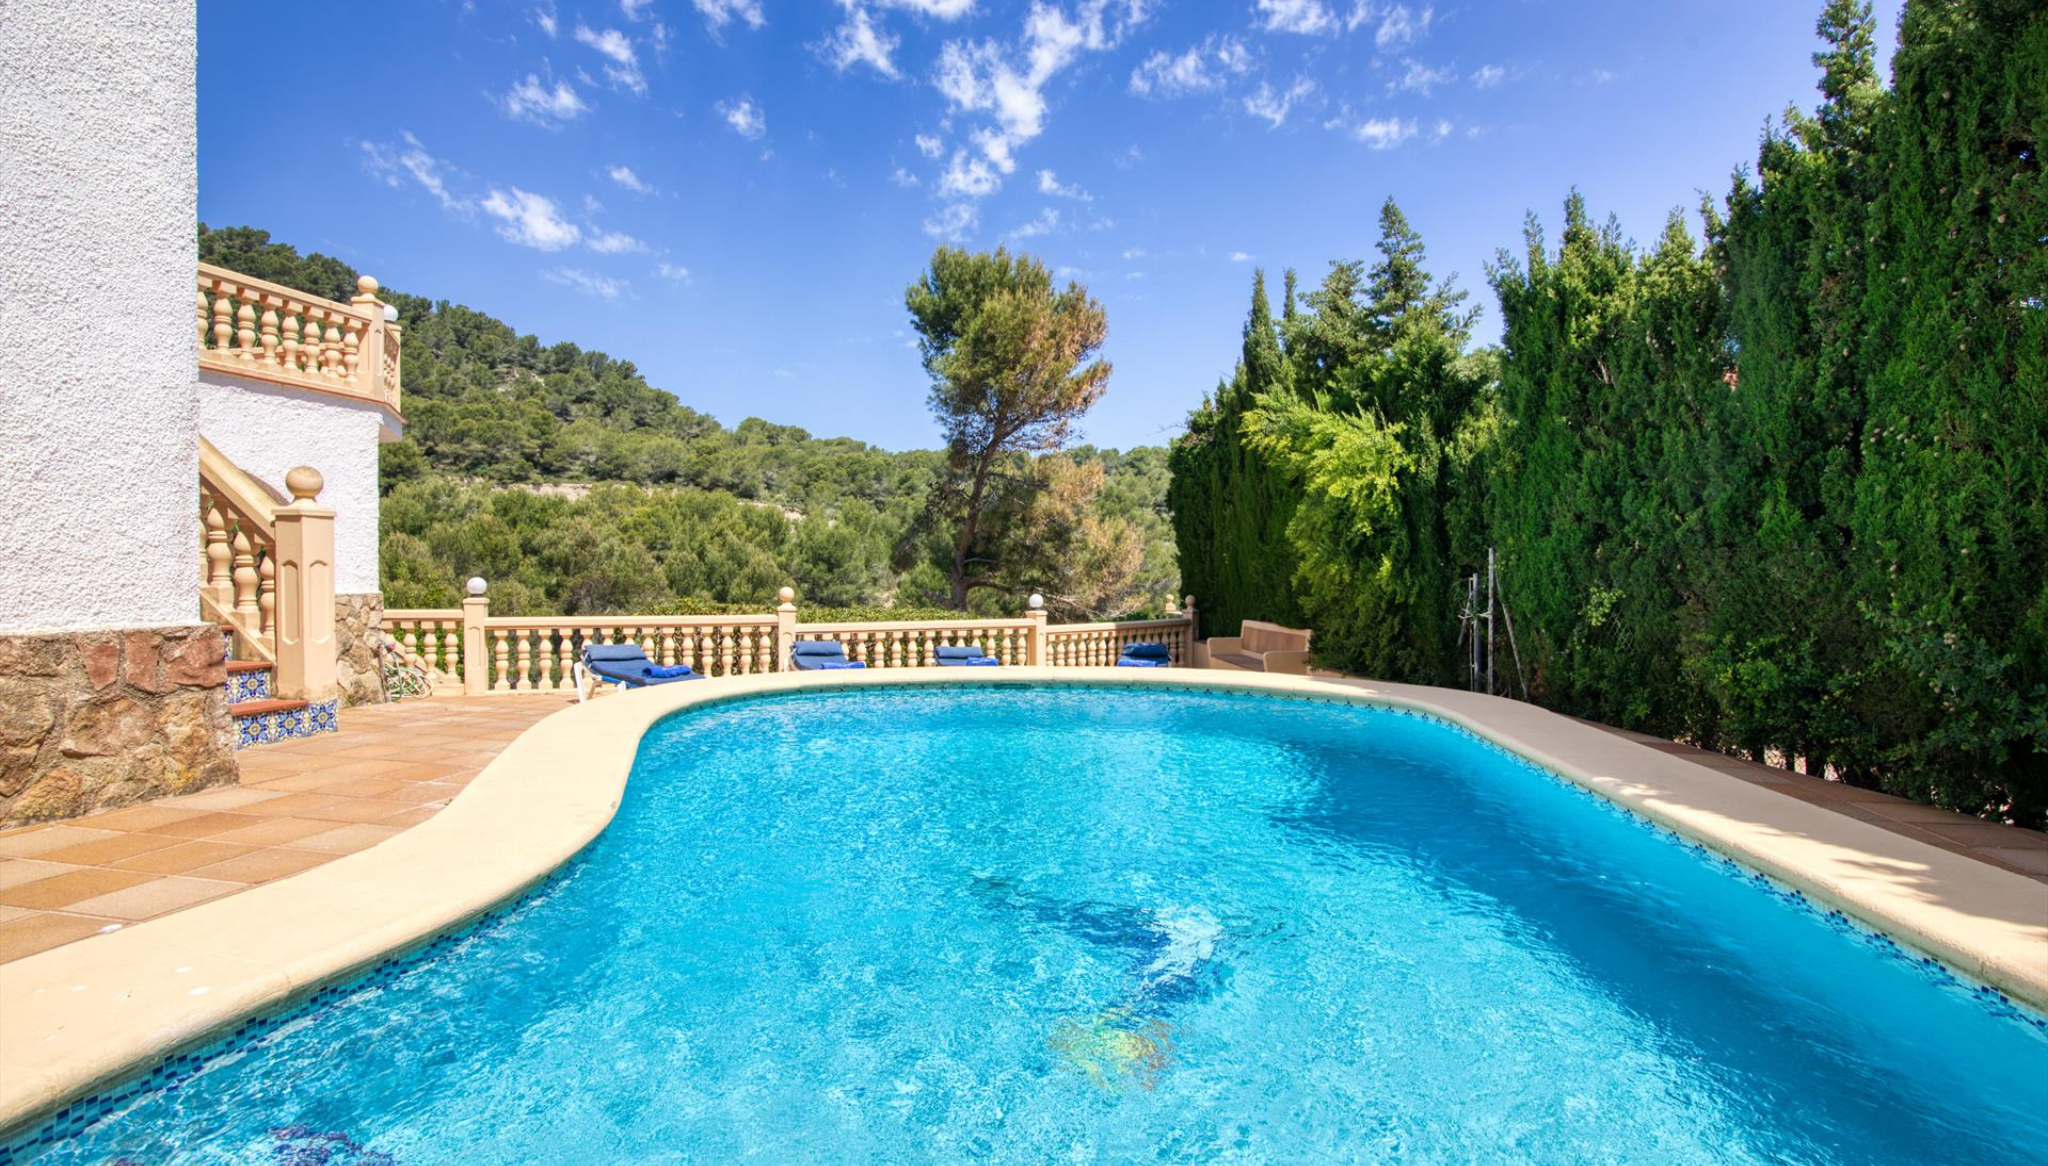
(733,194)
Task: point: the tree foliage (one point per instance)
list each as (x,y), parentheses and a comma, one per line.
(576,487)
(1781,491)
(1013,366)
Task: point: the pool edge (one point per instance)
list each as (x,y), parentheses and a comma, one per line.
(80,1017)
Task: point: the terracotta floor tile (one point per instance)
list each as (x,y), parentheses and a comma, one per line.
(155,897)
(260,866)
(10,914)
(422,792)
(43,931)
(343,840)
(149,817)
(2030,860)
(294,805)
(225,798)
(404,819)
(209,824)
(60,891)
(16,871)
(430,770)
(30,841)
(360,787)
(359,810)
(183,857)
(297,784)
(274,832)
(108,851)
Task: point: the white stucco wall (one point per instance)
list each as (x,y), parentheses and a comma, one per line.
(98,196)
(266,430)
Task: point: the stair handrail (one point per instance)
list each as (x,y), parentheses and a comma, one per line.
(248,497)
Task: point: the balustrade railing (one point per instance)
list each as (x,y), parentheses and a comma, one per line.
(253,328)
(238,572)
(266,571)
(469,650)
(1095,645)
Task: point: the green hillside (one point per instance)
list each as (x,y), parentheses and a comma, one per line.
(576,487)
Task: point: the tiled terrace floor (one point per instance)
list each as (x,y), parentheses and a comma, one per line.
(300,803)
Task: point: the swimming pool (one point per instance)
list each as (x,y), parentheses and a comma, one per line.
(1055,924)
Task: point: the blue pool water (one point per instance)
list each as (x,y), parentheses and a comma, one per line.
(1038,925)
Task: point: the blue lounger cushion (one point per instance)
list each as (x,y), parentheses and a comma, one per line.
(1147,650)
(1142,662)
(963,655)
(821,655)
(628,666)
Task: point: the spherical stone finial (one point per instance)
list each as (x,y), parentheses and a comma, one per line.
(787,594)
(1036,601)
(304,482)
(391,313)
(367,285)
(476,585)
(1188,603)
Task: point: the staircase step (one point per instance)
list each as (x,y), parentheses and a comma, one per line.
(268,721)
(256,708)
(247,666)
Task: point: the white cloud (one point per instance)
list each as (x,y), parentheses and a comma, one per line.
(1007,82)
(635,9)
(1443,130)
(1200,69)
(1420,78)
(1384,133)
(1402,25)
(1134,253)
(1049,183)
(1488,76)
(1600,76)
(422,167)
(533,100)
(675,271)
(1240,257)
(954,223)
(1046,223)
(936,9)
(904,178)
(1274,107)
(531,220)
(930,146)
(719,13)
(545,18)
(617,48)
(967,176)
(858,41)
(613,243)
(1307,17)
(745,118)
(624,176)
(589,283)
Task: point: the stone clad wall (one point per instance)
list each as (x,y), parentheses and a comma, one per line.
(92,720)
(357,671)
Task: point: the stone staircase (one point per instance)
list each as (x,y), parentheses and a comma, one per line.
(263,719)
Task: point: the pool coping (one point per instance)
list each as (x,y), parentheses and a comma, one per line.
(81,1016)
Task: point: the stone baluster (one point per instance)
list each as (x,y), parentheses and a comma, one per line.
(245,574)
(245,329)
(668,646)
(565,662)
(219,572)
(411,640)
(524,640)
(288,336)
(223,318)
(351,354)
(205,317)
(266,595)
(501,656)
(330,350)
(764,649)
(270,336)
(688,654)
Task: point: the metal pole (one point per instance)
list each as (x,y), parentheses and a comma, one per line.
(1489,621)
